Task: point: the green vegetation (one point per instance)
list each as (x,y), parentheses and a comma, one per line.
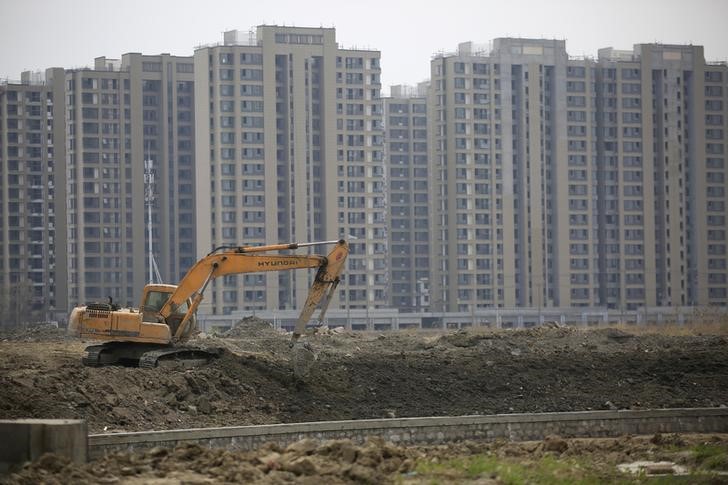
(711,457)
(547,470)
(706,462)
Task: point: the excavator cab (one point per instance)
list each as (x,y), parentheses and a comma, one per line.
(154,298)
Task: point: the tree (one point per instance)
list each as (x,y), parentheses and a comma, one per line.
(17,306)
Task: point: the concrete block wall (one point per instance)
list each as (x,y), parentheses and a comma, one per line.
(433,430)
(25,440)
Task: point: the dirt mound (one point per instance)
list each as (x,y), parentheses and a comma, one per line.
(119,398)
(34,333)
(363,375)
(251,327)
(339,461)
(375,461)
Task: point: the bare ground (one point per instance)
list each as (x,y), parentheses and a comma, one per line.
(357,376)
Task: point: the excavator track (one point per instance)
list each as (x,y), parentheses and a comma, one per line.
(145,355)
(184,356)
(93,356)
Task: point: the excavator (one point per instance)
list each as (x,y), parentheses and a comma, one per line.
(165,320)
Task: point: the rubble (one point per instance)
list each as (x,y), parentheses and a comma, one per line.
(374,462)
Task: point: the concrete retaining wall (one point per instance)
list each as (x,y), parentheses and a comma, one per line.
(23,440)
(435,430)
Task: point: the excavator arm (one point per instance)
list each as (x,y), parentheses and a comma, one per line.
(250,259)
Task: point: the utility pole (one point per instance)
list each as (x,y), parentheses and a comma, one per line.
(149,202)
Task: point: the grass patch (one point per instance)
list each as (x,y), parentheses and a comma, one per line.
(708,460)
(547,470)
(711,457)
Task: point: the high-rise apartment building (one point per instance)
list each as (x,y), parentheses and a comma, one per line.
(495,123)
(520,177)
(406,140)
(290,143)
(577,182)
(32,198)
(662,121)
(122,115)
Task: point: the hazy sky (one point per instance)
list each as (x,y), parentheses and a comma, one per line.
(35,34)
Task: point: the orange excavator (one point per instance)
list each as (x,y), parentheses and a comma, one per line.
(165,320)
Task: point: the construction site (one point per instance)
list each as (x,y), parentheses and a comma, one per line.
(388,376)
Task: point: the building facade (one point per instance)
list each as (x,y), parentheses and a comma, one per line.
(577,182)
(290,143)
(518,177)
(406,154)
(32,204)
(124,115)
(662,159)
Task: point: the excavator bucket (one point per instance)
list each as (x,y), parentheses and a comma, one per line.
(303,359)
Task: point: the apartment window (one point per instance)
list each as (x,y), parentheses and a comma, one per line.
(633,190)
(251,74)
(630,73)
(252,154)
(714,120)
(227,121)
(251,90)
(635,293)
(576,71)
(714,91)
(152,66)
(227,138)
(480,83)
(631,88)
(252,121)
(578,116)
(480,68)
(354,63)
(227,90)
(714,76)
(251,58)
(632,117)
(251,106)
(713,105)
(714,163)
(632,132)
(576,101)
(227,153)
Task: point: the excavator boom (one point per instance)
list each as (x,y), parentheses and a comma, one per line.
(253,259)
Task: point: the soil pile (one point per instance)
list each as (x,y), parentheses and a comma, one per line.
(35,333)
(375,461)
(252,328)
(358,376)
